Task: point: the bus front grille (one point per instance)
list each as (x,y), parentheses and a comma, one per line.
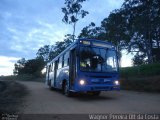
(101,88)
(102,82)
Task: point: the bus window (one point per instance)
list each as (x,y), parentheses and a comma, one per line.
(111,61)
(66,59)
(97,60)
(60,63)
(52,66)
(49,69)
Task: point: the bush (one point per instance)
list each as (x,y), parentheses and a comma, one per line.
(141,71)
(141,78)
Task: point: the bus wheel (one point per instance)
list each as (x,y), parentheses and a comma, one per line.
(49,85)
(66,90)
(96,93)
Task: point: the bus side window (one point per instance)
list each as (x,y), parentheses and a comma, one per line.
(49,69)
(63,61)
(60,63)
(52,66)
(66,59)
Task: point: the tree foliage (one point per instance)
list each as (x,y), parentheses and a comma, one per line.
(73,12)
(32,66)
(143,18)
(91,31)
(18,67)
(44,52)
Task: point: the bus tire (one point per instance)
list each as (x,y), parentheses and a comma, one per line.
(49,85)
(66,90)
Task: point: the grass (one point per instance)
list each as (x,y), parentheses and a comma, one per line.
(141,78)
(141,71)
(11,96)
(24,77)
(150,84)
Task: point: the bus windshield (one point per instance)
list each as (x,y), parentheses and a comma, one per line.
(98,59)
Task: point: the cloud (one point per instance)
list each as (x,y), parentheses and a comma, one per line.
(35,38)
(27,28)
(7,65)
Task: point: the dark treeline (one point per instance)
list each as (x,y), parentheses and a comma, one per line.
(134,27)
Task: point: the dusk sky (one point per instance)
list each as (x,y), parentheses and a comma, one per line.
(27,25)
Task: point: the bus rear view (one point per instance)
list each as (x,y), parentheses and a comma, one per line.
(91,67)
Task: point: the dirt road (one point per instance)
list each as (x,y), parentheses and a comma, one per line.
(41,100)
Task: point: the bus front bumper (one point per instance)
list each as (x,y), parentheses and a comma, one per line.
(86,88)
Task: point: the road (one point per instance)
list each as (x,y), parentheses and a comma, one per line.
(41,100)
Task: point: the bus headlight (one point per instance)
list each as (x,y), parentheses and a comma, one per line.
(116,82)
(82,82)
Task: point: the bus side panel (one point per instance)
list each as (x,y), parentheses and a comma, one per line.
(47,75)
(62,74)
(51,77)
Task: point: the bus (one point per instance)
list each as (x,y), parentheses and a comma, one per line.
(87,66)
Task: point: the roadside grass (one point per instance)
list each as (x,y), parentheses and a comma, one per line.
(141,71)
(141,78)
(27,77)
(150,84)
(11,96)
(24,77)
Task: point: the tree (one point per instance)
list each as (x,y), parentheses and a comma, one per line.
(32,66)
(139,59)
(44,52)
(91,31)
(73,12)
(48,52)
(115,29)
(143,17)
(60,46)
(18,67)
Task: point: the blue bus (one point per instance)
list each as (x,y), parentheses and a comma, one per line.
(87,65)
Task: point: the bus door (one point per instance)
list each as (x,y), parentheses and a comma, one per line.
(55,72)
(72,67)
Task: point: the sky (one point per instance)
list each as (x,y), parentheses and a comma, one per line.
(27,25)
